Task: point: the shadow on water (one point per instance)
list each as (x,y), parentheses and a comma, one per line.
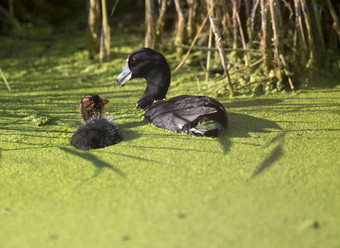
(241,125)
(99,164)
(274,156)
(126,131)
(269,161)
(251,103)
(135,157)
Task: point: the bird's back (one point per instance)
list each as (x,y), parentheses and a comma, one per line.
(188,113)
(96,133)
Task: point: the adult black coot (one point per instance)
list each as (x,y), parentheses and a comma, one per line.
(98,131)
(196,115)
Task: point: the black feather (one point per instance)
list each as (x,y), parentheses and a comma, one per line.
(183,113)
(98,131)
(196,115)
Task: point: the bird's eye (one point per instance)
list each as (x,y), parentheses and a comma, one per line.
(134,60)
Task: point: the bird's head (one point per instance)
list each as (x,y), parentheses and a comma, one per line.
(91,106)
(143,63)
(151,65)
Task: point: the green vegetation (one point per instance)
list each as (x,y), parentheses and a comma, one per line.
(271,180)
(271,45)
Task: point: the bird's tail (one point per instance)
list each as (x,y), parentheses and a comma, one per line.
(206,129)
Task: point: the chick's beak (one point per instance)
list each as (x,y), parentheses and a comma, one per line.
(104,101)
(125,75)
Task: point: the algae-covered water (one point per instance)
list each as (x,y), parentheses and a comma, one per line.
(271,180)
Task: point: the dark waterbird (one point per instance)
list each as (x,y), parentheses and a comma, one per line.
(196,115)
(98,131)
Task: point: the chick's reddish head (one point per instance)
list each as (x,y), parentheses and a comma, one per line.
(92,106)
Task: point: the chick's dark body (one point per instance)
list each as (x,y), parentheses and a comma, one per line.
(97,131)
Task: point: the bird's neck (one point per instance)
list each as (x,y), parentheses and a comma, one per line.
(87,115)
(158,83)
